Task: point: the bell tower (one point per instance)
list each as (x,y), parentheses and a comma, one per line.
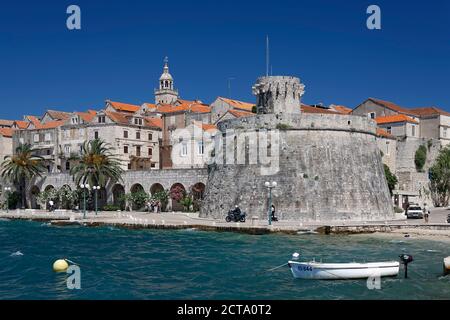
(166,94)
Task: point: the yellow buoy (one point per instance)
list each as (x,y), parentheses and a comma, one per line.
(60,265)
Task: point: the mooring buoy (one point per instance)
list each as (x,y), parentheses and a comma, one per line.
(60,265)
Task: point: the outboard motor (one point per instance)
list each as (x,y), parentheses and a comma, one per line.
(405,259)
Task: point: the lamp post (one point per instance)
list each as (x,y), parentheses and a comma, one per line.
(270,186)
(96,188)
(84,187)
(7,190)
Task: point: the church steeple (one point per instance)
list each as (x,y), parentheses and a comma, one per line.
(166,93)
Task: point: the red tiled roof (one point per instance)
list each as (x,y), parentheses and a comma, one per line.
(124,107)
(35,121)
(6,132)
(153,122)
(21,124)
(52,124)
(390,105)
(309,109)
(117,117)
(92,112)
(58,115)
(238,104)
(394,119)
(8,123)
(240,113)
(86,116)
(342,109)
(429,111)
(207,127)
(185,106)
(383,133)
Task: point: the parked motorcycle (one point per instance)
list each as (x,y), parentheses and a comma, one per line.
(235,216)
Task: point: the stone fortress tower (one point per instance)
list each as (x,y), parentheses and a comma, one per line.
(327,167)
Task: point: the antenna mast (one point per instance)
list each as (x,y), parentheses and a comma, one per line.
(267,55)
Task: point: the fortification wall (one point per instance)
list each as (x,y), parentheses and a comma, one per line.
(330,169)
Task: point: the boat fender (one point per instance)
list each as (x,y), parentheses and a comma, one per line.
(60,265)
(447,266)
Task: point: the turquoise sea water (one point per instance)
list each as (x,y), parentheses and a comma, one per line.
(189,264)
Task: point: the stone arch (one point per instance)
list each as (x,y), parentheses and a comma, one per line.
(137,187)
(34,192)
(198,190)
(156,187)
(176,205)
(118,193)
(49,187)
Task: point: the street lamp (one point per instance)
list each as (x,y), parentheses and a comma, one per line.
(84,187)
(96,188)
(7,190)
(270,186)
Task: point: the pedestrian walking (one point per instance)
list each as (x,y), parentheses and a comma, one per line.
(426,213)
(50,205)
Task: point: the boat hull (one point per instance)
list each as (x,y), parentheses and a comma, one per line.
(335,271)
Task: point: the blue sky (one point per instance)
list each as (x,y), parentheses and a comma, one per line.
(119,52)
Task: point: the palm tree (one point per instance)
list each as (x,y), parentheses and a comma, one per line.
(21,167)
(96,165)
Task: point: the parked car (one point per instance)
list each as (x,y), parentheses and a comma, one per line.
(414,212)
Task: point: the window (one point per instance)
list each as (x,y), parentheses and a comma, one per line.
(48,169)
(150,152)
(74,120)
(152,165)
(445,132)
(129,166)
(200,148)
(150,137)
(36,138)
(389,130)
(67,150)
(387,148)
(96,135)
(125,134)
(125,149)
(101,119)
(138,135)
(48,152)
(372,115)
(67,165)
(138,121)
(138,151)
(21,140)
(184,149)
(413,130)
(48,137)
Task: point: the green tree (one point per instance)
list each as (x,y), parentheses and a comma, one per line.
(440,179)
(22,167)
(420,157)
(96,165)
(390,177)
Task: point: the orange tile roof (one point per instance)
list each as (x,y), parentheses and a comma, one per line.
(309,109)
(8,123)
(241,113)
(238,104)
(86,116)
(390,105)
(342,109)
(120,106)
(117,117)
(429,111)
(35,121)
(207,127)
(6,132)
(92,112)
(21,124)
(394,119)
(185,106)
(153,122)
(383,133)
(52,124)
(58,115)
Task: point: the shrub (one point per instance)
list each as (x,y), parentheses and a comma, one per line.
(254,109)
(187,202)
(138,199)
(390,178)
(398,210)
(420,157)
(283,126)
(110,207)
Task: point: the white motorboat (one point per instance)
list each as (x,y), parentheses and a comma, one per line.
(334,271)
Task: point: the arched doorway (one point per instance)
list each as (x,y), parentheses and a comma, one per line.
(33,199)
(156,187)
(119,196)
(177,192)
(137,188)
(138,202)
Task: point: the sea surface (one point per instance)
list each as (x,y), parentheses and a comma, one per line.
(191,264)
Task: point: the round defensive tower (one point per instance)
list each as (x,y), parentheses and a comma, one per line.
(327,166)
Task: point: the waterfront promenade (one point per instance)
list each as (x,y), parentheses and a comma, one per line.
(436,228)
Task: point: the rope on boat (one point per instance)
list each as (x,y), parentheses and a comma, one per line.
(275,268)
(70,261)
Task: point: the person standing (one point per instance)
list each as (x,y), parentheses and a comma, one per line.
(50,204)
(426,213)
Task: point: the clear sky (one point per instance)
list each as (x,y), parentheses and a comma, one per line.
(118,53)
